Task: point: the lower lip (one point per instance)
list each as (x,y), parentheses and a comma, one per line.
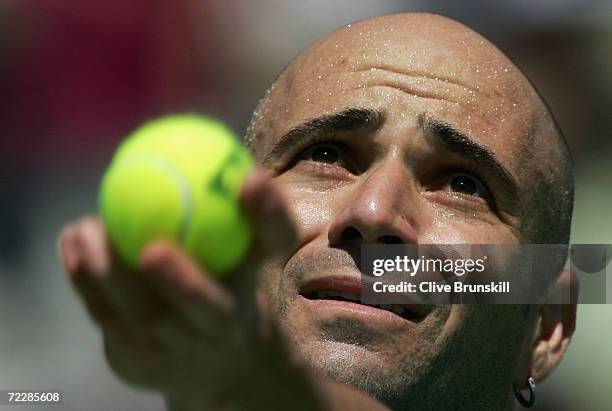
(346,307)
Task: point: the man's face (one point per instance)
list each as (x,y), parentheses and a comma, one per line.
(398,132)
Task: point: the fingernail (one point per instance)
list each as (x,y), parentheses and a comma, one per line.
(66,252)
(97,253)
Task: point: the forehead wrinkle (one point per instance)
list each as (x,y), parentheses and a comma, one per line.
(406,84)
(409,91)
(416,73)
(423,45)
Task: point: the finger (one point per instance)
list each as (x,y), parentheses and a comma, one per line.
(102,276)
(139,298)
(274,239)
(96,301)
(94,255)
(183,284)
(265,207)
(66,250)
(273,228)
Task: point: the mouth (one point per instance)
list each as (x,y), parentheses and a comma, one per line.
(345,293)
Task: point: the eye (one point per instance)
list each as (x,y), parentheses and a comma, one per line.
(323,153)
(326,159)
(467,184)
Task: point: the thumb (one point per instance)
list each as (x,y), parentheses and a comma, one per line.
(274,236)
(263,203)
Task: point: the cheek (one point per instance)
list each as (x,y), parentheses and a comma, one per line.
(311,210)
(449,228)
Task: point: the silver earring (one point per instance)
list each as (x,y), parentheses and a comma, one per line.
(527,403)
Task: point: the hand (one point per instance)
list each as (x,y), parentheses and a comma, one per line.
(169,326)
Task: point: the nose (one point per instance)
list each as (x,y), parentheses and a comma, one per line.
(377,210)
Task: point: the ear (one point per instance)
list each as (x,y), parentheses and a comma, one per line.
(556,326)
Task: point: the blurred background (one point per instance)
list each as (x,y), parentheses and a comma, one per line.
(76,76)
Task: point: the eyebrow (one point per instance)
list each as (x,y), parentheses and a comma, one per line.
(456,142)
(351,119)
(441,133)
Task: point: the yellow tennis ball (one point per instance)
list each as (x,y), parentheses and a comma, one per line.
(178,178)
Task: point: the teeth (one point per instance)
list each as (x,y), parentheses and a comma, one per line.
(347,296)
(353,297)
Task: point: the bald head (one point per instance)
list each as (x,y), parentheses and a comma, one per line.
(433,60)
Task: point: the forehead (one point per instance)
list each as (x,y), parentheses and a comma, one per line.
(410,68)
